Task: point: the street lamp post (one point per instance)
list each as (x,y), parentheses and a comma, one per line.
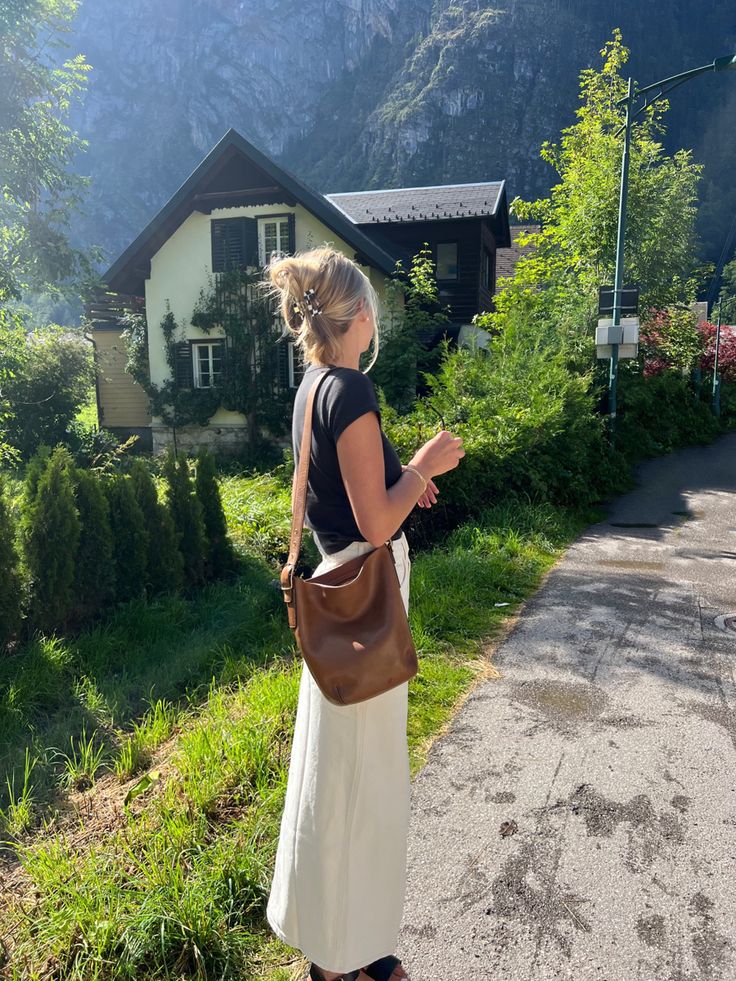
(716,379)
(652,93)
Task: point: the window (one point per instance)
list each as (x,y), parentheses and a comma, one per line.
(273,236)
(207,357)
(296,368)
(485,270)
(447,260)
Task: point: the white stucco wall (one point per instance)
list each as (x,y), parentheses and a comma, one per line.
(180,268)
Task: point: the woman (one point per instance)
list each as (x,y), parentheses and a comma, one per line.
(340,873)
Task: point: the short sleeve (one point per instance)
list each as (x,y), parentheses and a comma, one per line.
(349,394)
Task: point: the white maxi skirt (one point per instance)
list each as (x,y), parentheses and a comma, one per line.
(339,880)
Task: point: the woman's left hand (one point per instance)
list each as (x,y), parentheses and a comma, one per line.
(429,497)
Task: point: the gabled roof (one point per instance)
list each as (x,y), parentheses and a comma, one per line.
(433,203)
(132,267)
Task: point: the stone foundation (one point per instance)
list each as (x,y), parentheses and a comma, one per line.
(222,439)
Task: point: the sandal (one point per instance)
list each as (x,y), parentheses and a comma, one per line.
(383,968)
(315,974)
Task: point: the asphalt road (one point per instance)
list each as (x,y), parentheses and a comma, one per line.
(578,818)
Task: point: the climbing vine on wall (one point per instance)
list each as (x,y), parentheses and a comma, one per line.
(253,376)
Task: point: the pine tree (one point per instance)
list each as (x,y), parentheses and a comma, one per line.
(11,591)
(220,557)
(94,586)
(50,530)
(188,518)
(34,468)
(165,562)
(130,539)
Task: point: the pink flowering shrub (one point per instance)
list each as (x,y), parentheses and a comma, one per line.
(726,350)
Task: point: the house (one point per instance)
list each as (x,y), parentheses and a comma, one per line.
(233,211)
(505,267)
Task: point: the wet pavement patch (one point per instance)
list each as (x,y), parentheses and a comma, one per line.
(562,703)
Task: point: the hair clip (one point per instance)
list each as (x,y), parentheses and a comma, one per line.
(312,302)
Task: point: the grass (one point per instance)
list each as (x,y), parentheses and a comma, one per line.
(148,757)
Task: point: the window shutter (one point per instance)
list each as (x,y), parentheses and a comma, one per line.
(184,375)
(283,364)
(250,242)
(291,247)
(234,243)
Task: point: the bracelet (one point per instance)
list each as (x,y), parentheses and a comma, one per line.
(408,466)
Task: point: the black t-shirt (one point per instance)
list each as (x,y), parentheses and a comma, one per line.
(344,396)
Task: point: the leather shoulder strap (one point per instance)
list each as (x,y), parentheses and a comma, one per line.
(299,500)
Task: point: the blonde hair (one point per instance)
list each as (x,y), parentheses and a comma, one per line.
(339,286)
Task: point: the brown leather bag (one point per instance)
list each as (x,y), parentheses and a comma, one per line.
(350,622)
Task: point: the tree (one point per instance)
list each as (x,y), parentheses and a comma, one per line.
(219,557)
(94,585)
(39,188)
(51,382)
(404,354)
(130,539)
(50,530)
(186,510)
(576,247)
(37,148)
(165,563)
(728,293)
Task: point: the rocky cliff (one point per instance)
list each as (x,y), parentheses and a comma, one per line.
(376,93)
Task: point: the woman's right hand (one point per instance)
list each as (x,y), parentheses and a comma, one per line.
(438,455)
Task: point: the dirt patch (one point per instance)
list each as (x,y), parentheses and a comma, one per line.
(502,797)
(648,832)
(526,895)
(709,947)
(651,930)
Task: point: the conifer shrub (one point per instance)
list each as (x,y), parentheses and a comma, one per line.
(219,555)
(186,512)
(11,586)
(130,538)
(94,584)
(50,530)
(165,566)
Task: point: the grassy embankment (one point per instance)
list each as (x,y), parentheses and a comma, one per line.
(191,705)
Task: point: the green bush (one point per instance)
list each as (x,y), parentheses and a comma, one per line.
(94,584)
(50,385)
(130,539)
(219,555)
(50,530)
(657,414)
(186,511)
(529,429)
(165,565)
(11,593)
